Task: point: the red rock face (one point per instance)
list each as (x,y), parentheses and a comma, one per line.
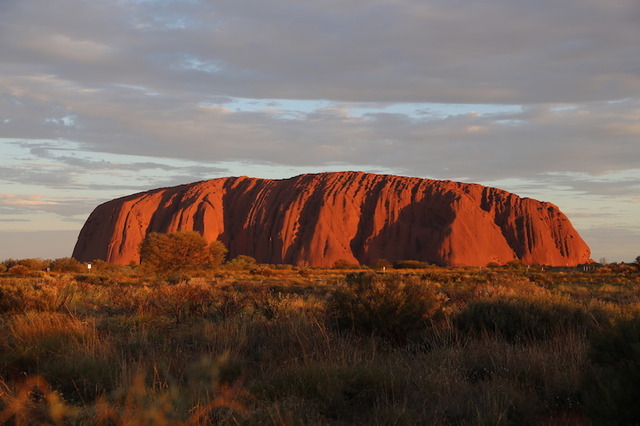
(317,219)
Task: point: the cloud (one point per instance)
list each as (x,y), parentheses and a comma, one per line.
(64,166)
(594,138)
(117,97)
(158,79)
(18,204)
(435,51)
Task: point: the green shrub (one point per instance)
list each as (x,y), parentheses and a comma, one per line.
(391,306)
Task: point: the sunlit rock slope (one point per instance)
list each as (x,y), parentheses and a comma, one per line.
(316,219)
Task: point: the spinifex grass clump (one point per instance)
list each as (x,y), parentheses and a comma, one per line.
(392,306)
(67,350)
(19,295)
(525,318)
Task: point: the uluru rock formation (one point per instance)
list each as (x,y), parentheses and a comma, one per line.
(316,219)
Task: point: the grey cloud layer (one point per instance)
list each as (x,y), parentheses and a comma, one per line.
(428,51)
(592,138)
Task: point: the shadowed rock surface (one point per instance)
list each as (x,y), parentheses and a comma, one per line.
(317,219)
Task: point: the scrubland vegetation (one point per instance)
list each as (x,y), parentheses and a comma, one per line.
(242,343)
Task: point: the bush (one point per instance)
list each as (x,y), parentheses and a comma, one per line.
(11,298)
(345,264)
(304,272)
(49,294)
(242,262)
(380,264)
(391,306)
(410,264)
(35,264)
(525,319)
(178,253)
(262,270)
(515,264)
(19,271)
(67,264)
(193,298)
(218,253)
(611,388)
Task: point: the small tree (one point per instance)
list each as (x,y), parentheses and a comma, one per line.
(218,253)
(179,253)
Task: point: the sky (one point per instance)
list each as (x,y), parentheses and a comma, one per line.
(104,98)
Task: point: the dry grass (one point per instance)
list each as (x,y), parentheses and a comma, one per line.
(489,346)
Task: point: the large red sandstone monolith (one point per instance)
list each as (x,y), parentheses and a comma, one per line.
(316,219)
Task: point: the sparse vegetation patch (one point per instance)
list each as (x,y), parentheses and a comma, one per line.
(244,343)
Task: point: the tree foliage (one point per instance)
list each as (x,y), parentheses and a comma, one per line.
(181,252)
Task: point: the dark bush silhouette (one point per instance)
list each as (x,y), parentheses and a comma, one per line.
(522,319)
(410,264)
(611,388)
(380,264)
(391,306)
